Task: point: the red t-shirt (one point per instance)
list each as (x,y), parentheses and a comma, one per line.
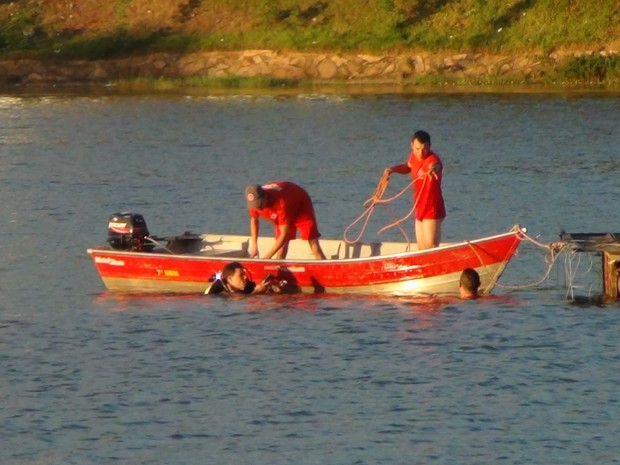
(427,195)
(289,202)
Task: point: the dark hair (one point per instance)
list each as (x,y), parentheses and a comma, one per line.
(230,269)
(422,136)
(220,285)
(470,279)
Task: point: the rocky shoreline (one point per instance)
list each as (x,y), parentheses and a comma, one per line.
(314,67)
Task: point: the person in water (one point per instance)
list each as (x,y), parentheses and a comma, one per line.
(469,284)
(426,171)
(289,207)
(234,280)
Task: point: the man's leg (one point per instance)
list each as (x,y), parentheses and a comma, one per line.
(428,233)
(315,246)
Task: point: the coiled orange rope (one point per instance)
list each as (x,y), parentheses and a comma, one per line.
(377,199)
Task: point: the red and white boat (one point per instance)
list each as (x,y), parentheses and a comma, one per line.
(133,261)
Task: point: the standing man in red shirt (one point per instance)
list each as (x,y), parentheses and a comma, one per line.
(289,208)
(426,171)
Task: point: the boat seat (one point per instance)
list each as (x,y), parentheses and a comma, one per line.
(363,250)
(185,243)
(331,249)
(236,248)
(232,253)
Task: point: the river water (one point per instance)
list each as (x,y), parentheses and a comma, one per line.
(529,375)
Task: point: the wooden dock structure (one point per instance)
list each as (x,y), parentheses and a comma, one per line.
(608,245)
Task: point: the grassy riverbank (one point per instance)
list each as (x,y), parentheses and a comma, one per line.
(91,29)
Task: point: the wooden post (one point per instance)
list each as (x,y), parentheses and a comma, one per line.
(611,275)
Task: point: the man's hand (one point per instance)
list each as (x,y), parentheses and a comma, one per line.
(434,170)
(253,251)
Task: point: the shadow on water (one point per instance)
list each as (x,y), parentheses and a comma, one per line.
(593,302)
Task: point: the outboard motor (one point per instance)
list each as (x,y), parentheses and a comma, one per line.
(128,231)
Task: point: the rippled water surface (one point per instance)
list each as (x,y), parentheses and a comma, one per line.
(89,377)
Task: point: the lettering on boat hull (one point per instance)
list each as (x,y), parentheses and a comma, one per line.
(110,261)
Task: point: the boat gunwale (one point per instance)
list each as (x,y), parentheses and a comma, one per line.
(516,231)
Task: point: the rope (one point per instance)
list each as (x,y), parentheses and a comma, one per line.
(554,250)
(495,278)
(377,199)
(571,272)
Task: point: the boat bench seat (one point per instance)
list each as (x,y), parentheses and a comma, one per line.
(334,250)
(232,253)
(362,250)
(225,247)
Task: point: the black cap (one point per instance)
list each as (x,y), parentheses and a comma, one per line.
(254,195)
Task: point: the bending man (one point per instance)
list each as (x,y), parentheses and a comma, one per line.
(289,208)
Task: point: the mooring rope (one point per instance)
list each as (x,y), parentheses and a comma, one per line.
(494,279)
(570,272)
(554,250)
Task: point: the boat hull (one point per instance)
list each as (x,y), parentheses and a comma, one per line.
(434,271)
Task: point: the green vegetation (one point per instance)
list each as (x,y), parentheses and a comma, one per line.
(365,25)
(592,69)
(17,31)
(91,29)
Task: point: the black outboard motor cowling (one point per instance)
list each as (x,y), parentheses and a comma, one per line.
(128,231)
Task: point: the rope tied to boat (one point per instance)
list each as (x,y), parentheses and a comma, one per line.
(377,198)
(554,251)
